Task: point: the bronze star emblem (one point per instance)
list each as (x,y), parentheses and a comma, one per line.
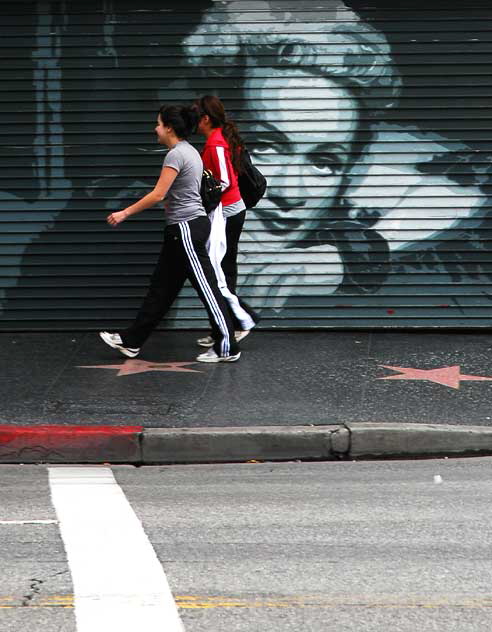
(446,375)
(130,367)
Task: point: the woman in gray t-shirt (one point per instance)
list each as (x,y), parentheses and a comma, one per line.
(184,253)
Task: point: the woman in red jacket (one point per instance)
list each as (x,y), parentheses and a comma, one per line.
(221,155)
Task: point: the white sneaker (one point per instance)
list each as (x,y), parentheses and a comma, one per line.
(239,335)
(211,356)
(208,341)
(115,341)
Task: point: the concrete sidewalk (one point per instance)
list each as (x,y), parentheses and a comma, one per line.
(306,395)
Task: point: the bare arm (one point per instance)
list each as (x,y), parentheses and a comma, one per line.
(167,177)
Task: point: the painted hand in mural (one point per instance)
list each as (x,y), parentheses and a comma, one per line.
(422,202)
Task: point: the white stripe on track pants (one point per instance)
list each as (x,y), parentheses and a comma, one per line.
(217,247)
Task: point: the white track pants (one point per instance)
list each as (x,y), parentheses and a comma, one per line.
(217,246)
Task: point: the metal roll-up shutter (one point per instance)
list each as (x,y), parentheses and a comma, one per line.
(371,122)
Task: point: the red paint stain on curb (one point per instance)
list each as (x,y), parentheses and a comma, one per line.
(58,443)
(9,433)
(70,428)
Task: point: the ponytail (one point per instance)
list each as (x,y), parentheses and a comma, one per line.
(235,142)
(182,118)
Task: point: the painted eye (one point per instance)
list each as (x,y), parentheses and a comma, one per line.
(262,149)
(325,169)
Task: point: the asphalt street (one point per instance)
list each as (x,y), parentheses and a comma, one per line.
(395,545)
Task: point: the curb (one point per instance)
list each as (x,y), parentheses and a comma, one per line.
(145,446)
(259,443)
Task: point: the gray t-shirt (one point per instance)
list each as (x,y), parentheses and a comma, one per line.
(183,201)
(234,208)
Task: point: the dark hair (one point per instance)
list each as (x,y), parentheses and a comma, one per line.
(182,118)
(214,108)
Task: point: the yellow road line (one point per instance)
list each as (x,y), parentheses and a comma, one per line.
(207,602)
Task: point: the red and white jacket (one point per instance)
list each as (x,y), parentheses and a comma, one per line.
(216,156)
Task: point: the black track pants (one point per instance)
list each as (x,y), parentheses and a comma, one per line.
(184,256)
(234,227)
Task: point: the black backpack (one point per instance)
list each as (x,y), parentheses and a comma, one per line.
(252,183)
(210,191)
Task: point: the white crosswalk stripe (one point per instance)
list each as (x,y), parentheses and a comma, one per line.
(119,584)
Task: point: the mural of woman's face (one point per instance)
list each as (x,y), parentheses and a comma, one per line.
(304,127)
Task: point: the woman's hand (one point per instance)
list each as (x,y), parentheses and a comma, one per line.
(116,218)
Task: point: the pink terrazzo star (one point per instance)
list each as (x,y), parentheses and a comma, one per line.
(130,367)
(446,375)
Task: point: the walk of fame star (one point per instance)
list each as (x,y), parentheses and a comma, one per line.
(446,375)
(130,367)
